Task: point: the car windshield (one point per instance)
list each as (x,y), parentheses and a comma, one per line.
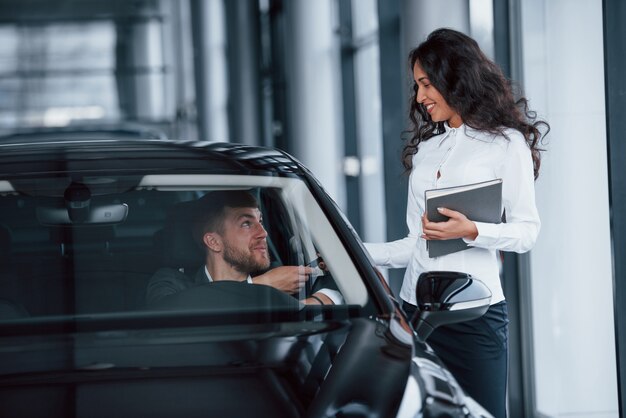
(89,250)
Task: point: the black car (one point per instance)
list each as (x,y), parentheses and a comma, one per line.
(86,223)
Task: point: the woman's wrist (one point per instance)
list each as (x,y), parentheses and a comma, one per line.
(472,231)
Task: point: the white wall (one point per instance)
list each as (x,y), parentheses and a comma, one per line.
(574,347)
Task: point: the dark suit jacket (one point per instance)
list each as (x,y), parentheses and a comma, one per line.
(168,281)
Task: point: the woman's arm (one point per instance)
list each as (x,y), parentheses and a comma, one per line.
(522,226)
(396,254)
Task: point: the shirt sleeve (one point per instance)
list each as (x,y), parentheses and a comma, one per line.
(333,295)
(396,254)
(521,229)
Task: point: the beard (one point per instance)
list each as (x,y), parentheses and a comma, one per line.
(244,260)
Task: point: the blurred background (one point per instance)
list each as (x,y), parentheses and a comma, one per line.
(329,82)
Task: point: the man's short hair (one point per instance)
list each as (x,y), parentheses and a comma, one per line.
(210,210)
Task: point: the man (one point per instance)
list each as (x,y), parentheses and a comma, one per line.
(228,225)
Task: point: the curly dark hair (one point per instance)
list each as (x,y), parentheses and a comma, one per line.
(474,87)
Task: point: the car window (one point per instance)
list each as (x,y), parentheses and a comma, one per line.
(89,248)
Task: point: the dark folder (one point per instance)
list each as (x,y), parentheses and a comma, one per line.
(480,202)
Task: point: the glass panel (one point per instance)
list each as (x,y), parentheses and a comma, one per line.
(55,101)
(72,47)
(8,49)
(55,74)
(129,246)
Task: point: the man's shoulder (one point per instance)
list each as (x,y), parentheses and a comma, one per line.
(166,281)
(169,273)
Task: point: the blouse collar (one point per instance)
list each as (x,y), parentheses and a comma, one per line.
(467,131)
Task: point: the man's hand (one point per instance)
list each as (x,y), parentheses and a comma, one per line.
(458,226)
(289,279)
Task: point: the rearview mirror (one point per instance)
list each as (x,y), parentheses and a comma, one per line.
(446,297)
(101,215)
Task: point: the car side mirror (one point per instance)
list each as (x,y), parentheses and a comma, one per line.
(446,297)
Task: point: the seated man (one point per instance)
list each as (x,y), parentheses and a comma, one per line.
(228,225)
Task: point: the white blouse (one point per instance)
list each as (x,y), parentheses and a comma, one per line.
(464,155)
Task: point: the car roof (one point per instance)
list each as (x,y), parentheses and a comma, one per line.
(89,154)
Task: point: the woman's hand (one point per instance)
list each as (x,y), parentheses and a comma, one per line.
(289,279)
(458,226)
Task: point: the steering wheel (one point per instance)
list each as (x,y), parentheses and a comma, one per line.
(227,295)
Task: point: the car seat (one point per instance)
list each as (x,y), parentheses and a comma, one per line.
(9,289)
(175,244)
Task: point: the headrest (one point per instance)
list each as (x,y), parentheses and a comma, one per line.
(175,241)
(90,239)
(5,244)
(12,310)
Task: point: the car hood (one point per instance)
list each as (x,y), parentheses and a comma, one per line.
(312,368)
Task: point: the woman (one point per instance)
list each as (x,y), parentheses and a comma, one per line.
(467,128)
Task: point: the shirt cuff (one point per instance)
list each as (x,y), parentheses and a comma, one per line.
(333,295)
(487,234)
